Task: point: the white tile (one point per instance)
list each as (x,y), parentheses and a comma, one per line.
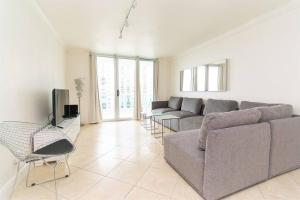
(281,187)
(120,152)
(247,194)
(103,165)
(128,172)
(76,185)
(33,193)
(142,194)
(161,181)
(182,191)
(107,189)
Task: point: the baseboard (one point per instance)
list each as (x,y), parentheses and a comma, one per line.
(7,189)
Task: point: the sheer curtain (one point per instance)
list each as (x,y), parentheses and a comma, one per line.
(155,79)
(94,106)
(138,106)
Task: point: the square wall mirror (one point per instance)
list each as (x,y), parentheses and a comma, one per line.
(211,77)
(217,76)
(186,80)
(200,76)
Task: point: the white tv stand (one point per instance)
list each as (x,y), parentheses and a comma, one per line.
(71,127)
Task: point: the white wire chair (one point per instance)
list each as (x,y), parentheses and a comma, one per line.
(30,142)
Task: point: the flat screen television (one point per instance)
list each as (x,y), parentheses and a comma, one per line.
(60,98)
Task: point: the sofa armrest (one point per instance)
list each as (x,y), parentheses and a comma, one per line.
(285,145)
(235,158)
(159,104)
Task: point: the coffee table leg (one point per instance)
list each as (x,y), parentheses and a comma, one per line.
(154,126)
(151,125)
(162,132)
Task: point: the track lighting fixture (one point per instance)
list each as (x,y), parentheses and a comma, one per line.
(126,23)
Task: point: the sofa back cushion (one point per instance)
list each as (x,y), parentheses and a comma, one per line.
(214,105)
(192,105)
(175,103)
(275,112)
(249,104)
(215,121)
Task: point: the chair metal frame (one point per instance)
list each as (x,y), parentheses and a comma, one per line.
(32,158)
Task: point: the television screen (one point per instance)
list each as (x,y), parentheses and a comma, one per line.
(60,98)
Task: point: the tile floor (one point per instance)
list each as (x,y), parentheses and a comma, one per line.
(120,160)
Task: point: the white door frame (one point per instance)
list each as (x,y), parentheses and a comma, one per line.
(116,82)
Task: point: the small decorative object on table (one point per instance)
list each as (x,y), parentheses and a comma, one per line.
(79,88)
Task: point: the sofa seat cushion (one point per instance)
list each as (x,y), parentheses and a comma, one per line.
(191,123)
(249,104)
(159,111)
(193,105)
(181,114)
(175,103)
(182,153)
(275,112)
(214,121)
(187,123)
(214,105)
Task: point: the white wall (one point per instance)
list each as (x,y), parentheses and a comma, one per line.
(31,65)
(164,79)
(77,66)
(264,60)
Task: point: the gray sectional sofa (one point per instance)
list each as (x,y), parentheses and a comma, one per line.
(237,149)
(191,111)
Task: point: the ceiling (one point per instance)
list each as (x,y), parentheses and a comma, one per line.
(157,28)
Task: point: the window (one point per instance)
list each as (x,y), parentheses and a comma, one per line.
(146,84)
(106,84)
(117,86)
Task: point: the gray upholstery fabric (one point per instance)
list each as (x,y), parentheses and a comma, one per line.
(162,110)
(275,112)
(235,158)
(215,121)
(249,104)
(191,123)
(187,123)
(214,105)
(175,103)
(159,104)
(285,145)
(181,113)
(182,153)
(193,105)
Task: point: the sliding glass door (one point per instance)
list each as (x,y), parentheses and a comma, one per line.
(126,90)
(146,84)
(118,86)
(106,85)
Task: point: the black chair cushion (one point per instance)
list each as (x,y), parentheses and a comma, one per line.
(59,147)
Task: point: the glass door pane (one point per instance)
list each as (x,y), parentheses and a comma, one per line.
(146,84)
(106,84)
(126,77)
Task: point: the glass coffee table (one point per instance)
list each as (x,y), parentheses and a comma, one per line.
(164,119)
(145,116)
